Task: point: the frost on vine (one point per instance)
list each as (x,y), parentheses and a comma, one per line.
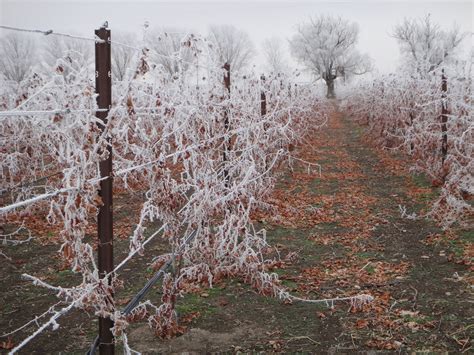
(171,143)
(403,111)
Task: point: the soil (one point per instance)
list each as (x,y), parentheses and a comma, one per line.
(338,233)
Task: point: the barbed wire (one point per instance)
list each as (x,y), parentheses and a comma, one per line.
(53,33)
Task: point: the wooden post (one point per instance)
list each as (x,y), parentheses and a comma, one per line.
(103,84)
(444,117)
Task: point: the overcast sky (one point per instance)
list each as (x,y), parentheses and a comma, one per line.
(261,19)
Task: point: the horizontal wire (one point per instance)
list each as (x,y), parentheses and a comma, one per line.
(51,32)
(126,45)
(173,56)
(8,208)
(73,304)
(40,90)
(47,112)
(28,183)
(29,201)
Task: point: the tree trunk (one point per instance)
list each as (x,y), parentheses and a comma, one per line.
(330,93)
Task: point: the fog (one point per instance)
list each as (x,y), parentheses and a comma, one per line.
(261,19)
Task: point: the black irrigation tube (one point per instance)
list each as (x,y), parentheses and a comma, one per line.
(139,296)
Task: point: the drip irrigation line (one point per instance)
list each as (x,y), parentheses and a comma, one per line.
(67,309)
(139,296)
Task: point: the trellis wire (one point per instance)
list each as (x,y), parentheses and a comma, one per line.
(50,32)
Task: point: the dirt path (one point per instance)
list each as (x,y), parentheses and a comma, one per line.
(346,229)
(338,234)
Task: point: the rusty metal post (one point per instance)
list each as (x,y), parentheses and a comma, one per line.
(226,120)
(227,86)
(103,85)
(263,97)
(263,109)
(444,116)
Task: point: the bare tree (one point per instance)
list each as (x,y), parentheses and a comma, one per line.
(17,56)
(275,55)
(231,45)
(424,45)
(326,46)
(121,54)
(168,50)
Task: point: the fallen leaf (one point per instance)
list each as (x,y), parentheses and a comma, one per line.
(362,323)
(7,345)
